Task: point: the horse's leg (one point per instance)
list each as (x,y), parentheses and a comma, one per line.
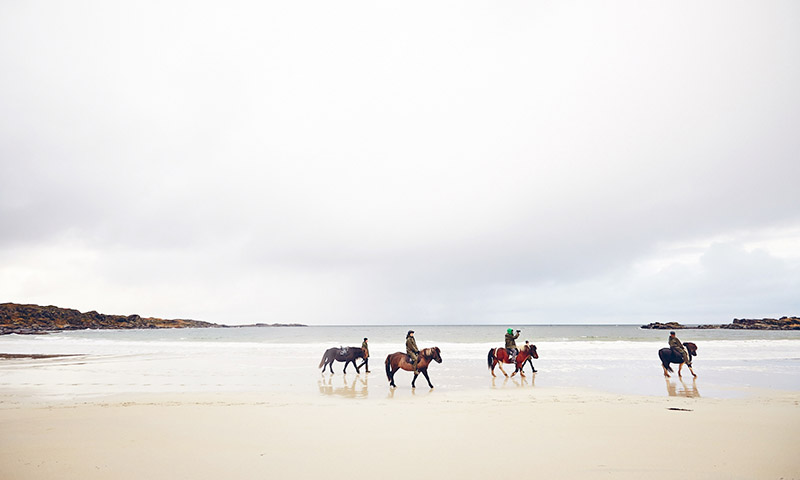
(414,381)
(690,369)
(680,367)
(425,372)
(358,370)
(329,365)
(666,374)
(500,364)
(391,377)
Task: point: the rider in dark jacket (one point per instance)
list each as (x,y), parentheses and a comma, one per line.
(511,345)
(677,347)
(411,348)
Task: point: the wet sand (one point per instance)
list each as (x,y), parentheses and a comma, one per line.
(553,432)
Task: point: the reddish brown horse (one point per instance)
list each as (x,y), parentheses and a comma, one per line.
(399,360)
(499,356)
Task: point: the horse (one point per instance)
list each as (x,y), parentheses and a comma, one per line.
(667,356)
(499,356)
(346,355)
(399,360)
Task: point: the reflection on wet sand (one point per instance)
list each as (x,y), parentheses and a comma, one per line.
(682,390)
(354,387)
(516,381)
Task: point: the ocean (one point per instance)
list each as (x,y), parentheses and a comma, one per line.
(619,359)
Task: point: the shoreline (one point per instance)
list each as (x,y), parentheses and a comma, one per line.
(561,432)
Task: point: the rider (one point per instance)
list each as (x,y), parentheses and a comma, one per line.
(511,345)
(365,348)
(411,348)
(677,347)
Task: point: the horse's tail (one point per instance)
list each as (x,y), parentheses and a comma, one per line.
(324,357)
(388,364)
(490,359)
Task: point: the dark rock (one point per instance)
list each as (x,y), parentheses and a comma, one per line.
(29,319)
(664,326)
(783,323)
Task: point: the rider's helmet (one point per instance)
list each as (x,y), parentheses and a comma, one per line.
(510,330)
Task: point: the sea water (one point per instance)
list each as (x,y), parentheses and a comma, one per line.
(612,358)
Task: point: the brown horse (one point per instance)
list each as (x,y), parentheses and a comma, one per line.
(346,355)
(399,360)
(667,356)
(499,356)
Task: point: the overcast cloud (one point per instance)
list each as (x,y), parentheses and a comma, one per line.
(402,162)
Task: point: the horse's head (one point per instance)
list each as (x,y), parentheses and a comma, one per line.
(436,354)
(691,348)
(532,351)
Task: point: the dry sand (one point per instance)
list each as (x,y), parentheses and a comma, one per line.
(535,433)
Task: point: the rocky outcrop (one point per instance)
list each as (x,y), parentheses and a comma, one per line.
(664,326)
(32,319)
(783,323)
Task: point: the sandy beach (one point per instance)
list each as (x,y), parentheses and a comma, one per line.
(552,432)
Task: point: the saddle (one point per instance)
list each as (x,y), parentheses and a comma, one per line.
(342,352)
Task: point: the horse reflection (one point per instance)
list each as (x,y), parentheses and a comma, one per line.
(356,388)
(682,390)
(518,382)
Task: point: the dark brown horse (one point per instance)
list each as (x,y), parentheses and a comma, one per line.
(399,360)
(499,356)
(667,356)
(346,355)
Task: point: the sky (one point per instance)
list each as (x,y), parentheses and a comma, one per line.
(363,162)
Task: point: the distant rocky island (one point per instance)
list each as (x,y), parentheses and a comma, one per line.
(33,319)
(783,323)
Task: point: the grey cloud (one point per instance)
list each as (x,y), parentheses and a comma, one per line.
(364,162)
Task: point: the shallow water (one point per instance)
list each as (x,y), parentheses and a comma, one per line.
(617,359)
